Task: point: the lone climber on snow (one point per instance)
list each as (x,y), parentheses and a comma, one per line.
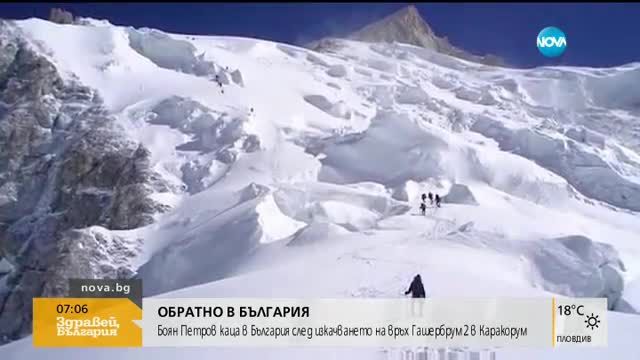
(416,289)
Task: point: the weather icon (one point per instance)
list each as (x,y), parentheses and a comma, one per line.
(592,321)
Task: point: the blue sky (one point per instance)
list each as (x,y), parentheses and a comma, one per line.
(598,34)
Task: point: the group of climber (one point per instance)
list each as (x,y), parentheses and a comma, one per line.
(219,83)
(432,199)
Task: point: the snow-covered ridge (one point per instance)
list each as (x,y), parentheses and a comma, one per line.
(270,161)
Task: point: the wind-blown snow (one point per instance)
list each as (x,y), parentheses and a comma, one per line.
(308,167)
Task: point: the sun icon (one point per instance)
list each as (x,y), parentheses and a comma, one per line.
(592,321)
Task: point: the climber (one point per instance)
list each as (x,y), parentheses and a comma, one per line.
(431,198)
(424,197)
(437,200)
(416,289)
(423,208)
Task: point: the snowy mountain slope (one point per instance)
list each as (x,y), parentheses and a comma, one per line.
(390,255)
(621,337)
(308,166)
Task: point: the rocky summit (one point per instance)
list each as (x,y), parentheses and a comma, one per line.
(407,26)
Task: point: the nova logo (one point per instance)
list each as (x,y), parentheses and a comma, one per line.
(551,42)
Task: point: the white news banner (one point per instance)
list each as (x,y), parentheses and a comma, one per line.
(503,322)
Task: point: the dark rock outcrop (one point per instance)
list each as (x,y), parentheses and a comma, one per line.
(67,177)
(60,16)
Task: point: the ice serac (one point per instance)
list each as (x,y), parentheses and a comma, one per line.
(66,177)
(229,231)
(577,266)
(460,194)
(408,27)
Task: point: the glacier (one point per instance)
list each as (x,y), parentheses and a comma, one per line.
(299,175)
